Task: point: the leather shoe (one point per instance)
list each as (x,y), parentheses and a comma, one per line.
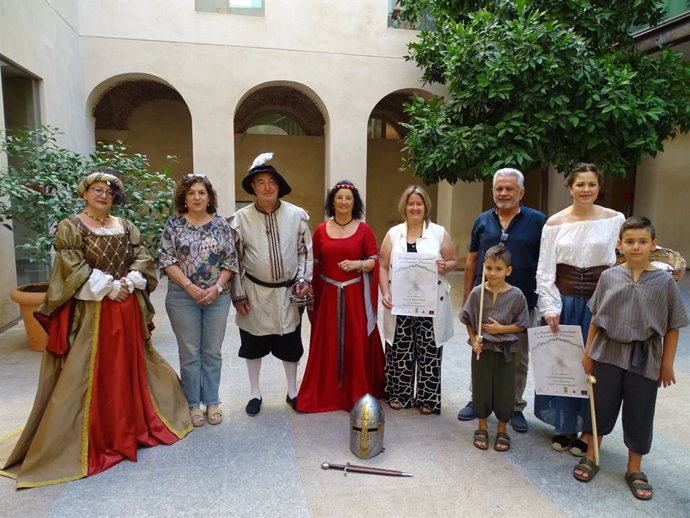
(253,407)
(467,413)
(292,401)
(518,422)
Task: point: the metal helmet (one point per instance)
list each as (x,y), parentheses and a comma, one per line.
(366,427)
(298,295)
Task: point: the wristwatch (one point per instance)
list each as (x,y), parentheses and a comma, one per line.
(219,288)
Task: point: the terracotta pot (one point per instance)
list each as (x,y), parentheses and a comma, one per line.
(30,297)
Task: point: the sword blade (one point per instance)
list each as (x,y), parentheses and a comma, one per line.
(365,469)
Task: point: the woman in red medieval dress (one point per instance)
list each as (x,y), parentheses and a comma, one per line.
(345,355)
(103,391)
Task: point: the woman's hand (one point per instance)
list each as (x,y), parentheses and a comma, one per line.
(441,265)
(124,291)
(210,295)
(196,292)
(552,321)
(387,301)
(587,364)
(350,266)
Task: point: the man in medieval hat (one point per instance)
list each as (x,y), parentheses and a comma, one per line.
(273,245)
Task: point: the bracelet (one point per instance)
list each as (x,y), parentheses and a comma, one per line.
(361,266)
(186,285)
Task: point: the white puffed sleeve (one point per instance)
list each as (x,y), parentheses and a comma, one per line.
(549,296)
(97,286)
(137,280)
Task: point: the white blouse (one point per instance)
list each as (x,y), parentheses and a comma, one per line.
(583,244)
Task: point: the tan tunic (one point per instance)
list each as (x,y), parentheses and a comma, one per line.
(273,248)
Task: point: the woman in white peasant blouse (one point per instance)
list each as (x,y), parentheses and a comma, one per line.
(577,244)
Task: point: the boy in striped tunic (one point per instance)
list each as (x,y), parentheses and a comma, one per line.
(636,313)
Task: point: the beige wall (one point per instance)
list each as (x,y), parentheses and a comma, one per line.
(156,129)
(661,194)
(42,38)
(385,184)
(8,276)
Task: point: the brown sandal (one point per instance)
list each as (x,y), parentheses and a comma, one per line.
(425,410)
(395,405)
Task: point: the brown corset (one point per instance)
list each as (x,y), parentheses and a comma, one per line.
(577,282)
(110,254)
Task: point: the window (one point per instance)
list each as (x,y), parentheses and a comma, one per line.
(247,7)
(424,22)
(274,124)
(380,129)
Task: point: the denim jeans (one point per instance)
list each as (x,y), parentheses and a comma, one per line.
(199,330)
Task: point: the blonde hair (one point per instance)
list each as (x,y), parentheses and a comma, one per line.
(415,189)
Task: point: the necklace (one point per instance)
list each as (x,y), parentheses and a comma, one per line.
(342,225)
(102,221)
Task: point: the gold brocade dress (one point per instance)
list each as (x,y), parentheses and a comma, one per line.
(103,390)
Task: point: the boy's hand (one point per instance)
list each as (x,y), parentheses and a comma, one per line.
(587,364)
(476,347)
(494,328)
(667,377)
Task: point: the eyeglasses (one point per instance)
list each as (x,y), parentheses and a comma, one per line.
(193,175)
(504,236)
(99,191)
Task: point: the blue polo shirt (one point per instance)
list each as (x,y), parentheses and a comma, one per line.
(524,237)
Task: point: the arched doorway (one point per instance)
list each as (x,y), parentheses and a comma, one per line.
(385,180)
(289,121)
(149,116)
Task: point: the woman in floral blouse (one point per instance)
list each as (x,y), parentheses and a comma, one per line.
(198,255)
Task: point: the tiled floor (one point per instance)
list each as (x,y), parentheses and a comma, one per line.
(270,465)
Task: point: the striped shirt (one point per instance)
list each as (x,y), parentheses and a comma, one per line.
(634,317)
(510,307)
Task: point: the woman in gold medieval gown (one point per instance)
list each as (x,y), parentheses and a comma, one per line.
(103,391)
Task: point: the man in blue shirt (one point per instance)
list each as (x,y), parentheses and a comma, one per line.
(519,229)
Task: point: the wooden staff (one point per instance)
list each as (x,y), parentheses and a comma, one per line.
(479,337)
(591,380)
(365,469)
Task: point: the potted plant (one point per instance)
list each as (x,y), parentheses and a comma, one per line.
(39,188)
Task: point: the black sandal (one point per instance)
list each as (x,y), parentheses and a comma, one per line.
(634,486)
(588,467)
(481,439)
(560,442)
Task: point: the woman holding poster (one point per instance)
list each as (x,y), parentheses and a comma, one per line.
(577,244)
(414,344)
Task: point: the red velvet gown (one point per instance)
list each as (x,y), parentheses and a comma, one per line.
(322,389)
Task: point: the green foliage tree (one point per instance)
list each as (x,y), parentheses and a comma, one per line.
(39,187)
(537,82)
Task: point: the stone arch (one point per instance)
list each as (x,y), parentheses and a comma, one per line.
(300,159)
(385,180)
(149,115)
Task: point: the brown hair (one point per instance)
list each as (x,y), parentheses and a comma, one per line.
(183,187)
(635,222)
(498,253)
(583,168)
